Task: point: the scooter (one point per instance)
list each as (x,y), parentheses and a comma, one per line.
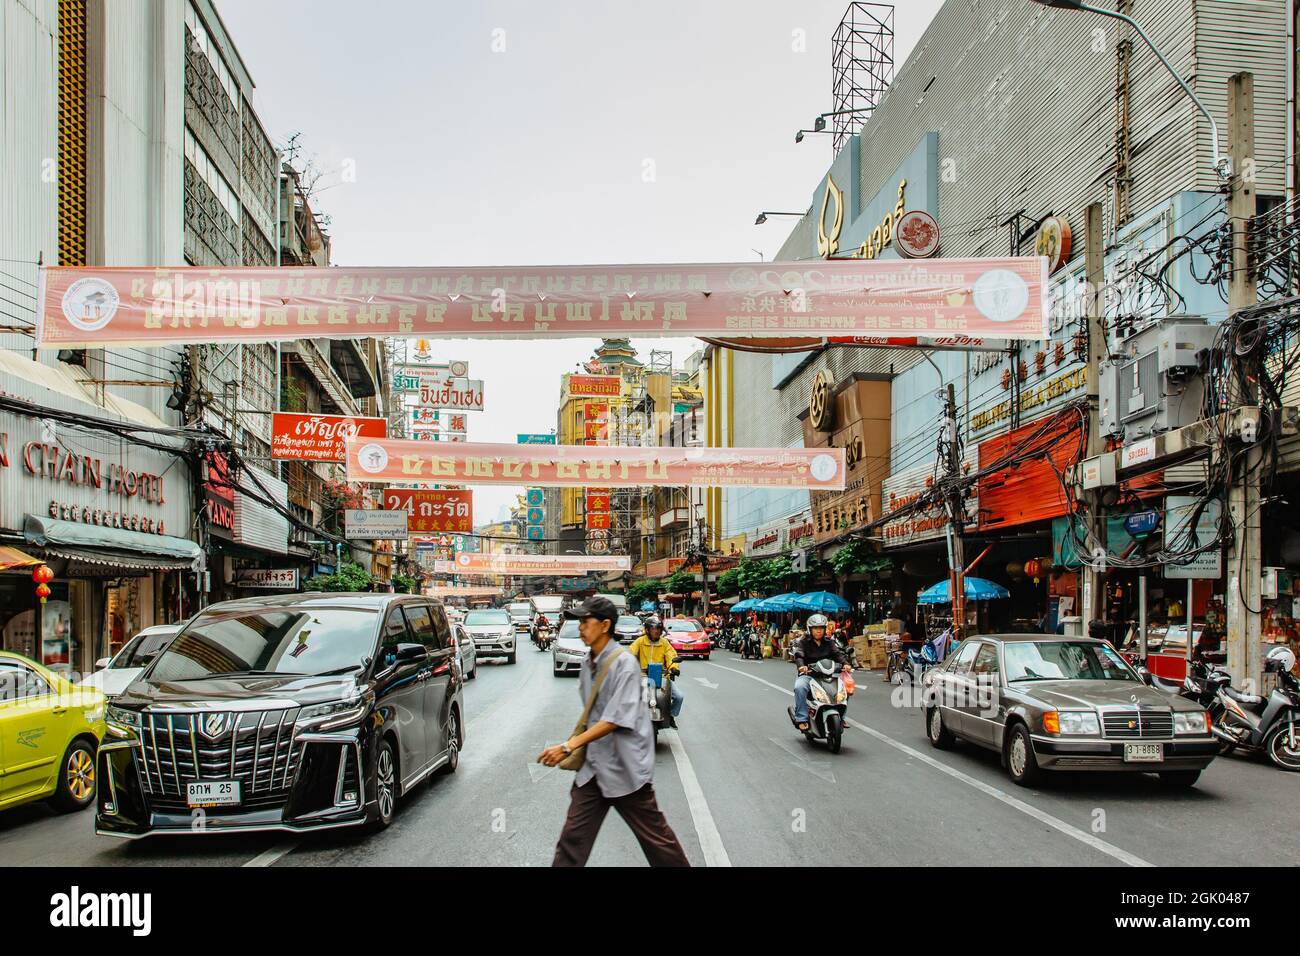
(659,697)
(751,647)
(827,703)
(1257,724)
(543,637)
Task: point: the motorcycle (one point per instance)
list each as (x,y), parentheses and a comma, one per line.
(831,689)
(543,636)
(751,646)
(1254,724)
(658,693)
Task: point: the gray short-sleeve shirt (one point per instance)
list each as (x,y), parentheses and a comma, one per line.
(621,762)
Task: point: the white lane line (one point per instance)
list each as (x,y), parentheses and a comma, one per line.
(715,854)
(1042,816)
(268,857)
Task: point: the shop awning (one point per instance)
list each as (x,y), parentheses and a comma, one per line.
(11,559)
(112,547)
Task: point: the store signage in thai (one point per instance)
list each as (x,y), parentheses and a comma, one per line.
(411,378)
(433,510)
(906,489)
(801,530)
(279,579)
(97,306)
(536,439)
(368,524)
(767,540)
(300,437)
(605,385)
(462,394)
(578,466)
(563,565)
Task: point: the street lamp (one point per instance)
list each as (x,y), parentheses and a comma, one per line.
(762,216)
(1222,164)
(798,137)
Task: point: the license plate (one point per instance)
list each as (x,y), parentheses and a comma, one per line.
(1140,753)
(212,793)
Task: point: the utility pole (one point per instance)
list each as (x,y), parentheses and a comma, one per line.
(704,568)
(1092,604)
(1244,557)
(956,510)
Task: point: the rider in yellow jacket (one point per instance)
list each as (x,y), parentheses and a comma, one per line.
(653,648)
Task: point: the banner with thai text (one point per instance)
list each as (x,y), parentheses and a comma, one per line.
(319,437)
(104,305)
(577,466)
(461,394)
(565,565)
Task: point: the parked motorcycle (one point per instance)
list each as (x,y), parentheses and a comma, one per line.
(827,703)
(751,646)
(1255,724)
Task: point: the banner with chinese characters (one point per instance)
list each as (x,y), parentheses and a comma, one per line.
(319,437)
(565,565)
(578,466)
(433,510)
(97,306)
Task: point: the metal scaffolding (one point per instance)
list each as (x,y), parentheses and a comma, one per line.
(862,66)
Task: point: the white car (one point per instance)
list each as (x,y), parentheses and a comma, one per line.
(113,675)
(567,652)
(492,632)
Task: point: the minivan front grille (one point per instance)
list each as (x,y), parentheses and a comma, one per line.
(1138,724)
(254,747)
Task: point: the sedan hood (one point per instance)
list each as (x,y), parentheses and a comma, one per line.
(237,693)
(1077,694)
(112,682)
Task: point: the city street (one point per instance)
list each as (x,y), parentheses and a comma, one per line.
(741,788)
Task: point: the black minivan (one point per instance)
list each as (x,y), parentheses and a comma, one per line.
(294,712)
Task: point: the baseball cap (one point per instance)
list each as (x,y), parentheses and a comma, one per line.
(602,609)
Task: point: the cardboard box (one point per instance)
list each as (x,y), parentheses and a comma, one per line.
(893,625)
(879,658)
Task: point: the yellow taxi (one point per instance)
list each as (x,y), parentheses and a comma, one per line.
(49,732)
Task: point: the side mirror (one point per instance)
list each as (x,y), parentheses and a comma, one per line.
(411,652)
(1144,673)
(102,663)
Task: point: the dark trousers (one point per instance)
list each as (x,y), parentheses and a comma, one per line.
(587,809)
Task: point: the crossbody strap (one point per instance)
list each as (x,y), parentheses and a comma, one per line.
(595,687)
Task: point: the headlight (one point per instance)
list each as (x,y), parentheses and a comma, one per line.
(1197,722)
(842,695)
(1079,723)
(121,722)
(336,713)
(818,694)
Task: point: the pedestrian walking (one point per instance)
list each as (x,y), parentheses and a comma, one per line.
(612,750)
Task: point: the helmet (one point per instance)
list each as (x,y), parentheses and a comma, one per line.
(1281,658)
(654,621)
(816,620)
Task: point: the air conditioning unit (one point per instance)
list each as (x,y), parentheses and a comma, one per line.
(1154,384)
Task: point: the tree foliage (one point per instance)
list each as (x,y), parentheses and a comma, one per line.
(765,576)
(349,577)
(728,583)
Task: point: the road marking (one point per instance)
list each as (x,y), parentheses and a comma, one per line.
(803,762)
(268,857)
(1001,795)
(715,854)
(707,683)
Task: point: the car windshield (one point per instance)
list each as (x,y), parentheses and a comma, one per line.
(279,640)
(569,631)
(486,618)
(628,623)
(142,649)
(686,624)
(521,609)
(1063,660)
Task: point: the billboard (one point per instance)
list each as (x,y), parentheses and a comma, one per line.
(410,378)
(607,385)
(433,510)
(300,437)
(463,394)
(363,524)
(153,305)
(565,565)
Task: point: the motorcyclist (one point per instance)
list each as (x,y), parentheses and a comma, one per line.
(653,648)
(808,650)
(540,623)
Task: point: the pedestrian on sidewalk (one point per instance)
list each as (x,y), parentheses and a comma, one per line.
(618,768)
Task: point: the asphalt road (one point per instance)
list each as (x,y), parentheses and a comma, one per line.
(742,788)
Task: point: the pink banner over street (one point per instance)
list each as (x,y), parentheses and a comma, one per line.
(95,306)
(577,466)
(561,564)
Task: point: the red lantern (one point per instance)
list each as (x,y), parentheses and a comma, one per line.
(42,574)
(42,592)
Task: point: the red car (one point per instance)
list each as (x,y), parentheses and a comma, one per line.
(687,637)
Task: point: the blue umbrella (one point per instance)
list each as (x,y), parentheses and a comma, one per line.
(777,604)
(647,605)
(823,601)
(740,606)
(977,589)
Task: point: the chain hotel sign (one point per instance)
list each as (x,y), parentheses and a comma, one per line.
(98,306)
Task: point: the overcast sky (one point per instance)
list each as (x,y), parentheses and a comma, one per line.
(517,133)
